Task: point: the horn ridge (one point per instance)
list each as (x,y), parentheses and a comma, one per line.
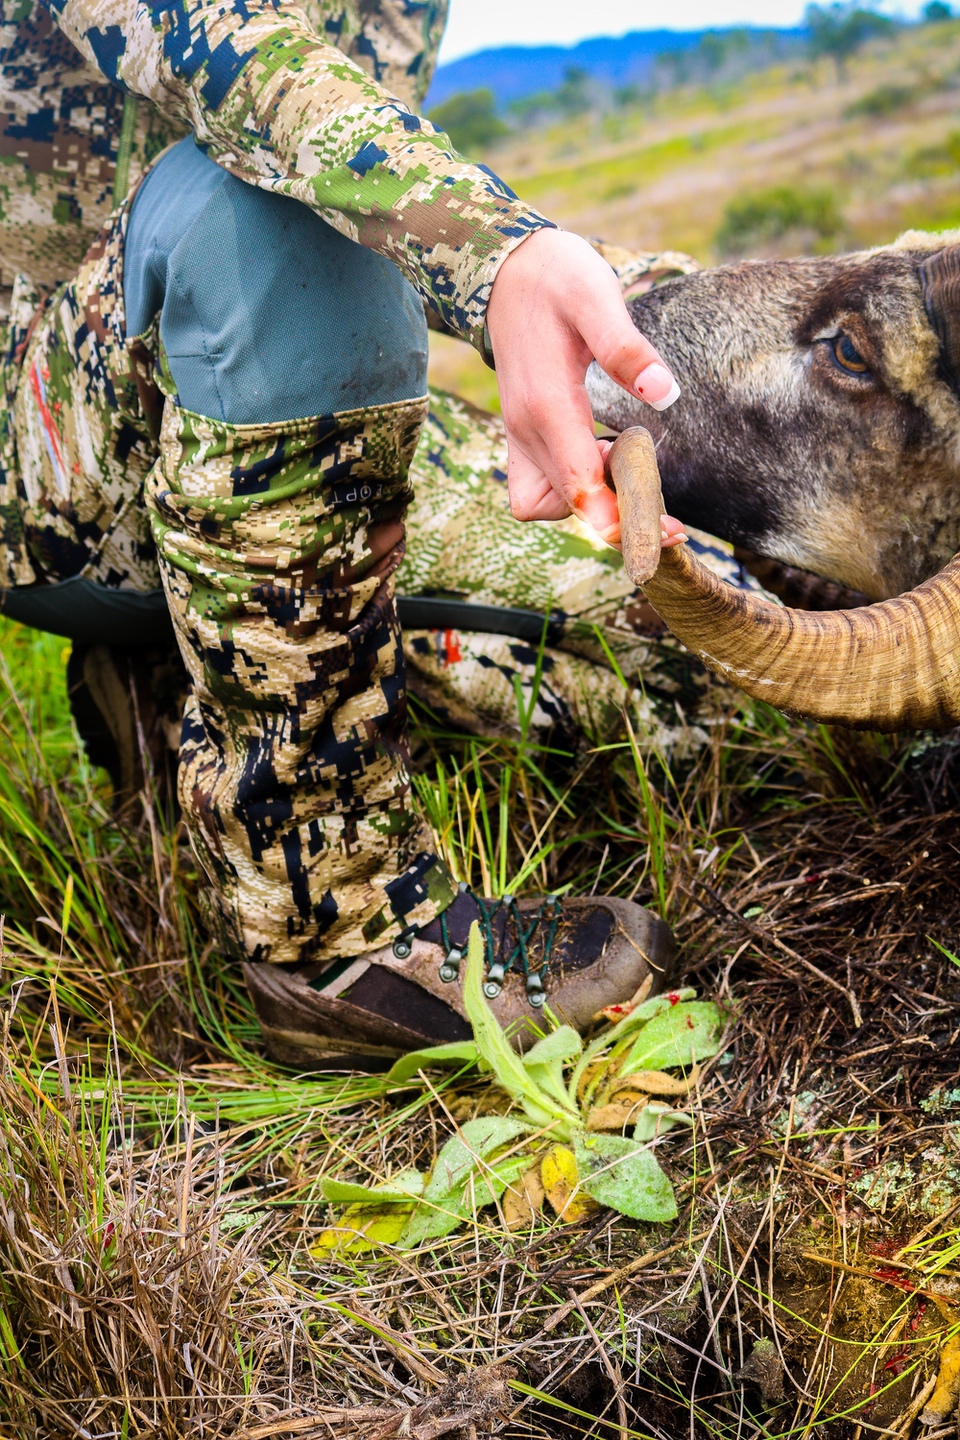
(893,665)
(940,291)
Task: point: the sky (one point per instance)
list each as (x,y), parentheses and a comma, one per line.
(481,24)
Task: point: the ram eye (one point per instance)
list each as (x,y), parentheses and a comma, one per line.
(847,355)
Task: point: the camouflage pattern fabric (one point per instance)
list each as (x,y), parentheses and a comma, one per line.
(640,270)
(277,547)
(59,142)
(85,423)
(606,649)
(311,102)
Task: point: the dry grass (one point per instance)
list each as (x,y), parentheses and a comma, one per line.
(159,1184)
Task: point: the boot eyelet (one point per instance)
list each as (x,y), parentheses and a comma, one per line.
(402,949)
(494,981)
(450,969)
(535,991)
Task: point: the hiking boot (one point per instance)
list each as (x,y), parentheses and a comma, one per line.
(574,956)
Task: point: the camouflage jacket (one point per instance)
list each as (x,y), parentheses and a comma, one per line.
(318,103)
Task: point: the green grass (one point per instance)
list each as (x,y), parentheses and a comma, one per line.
(619,175)
(161,1176)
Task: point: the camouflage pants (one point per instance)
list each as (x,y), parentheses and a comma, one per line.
(277,548)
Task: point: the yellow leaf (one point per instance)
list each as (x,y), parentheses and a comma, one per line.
(523,1200)
(943,1402)
(363,1227)
(619,1112)
(655,1082)
(561,1183)
(588,1077)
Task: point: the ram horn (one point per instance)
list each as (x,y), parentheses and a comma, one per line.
(890,666)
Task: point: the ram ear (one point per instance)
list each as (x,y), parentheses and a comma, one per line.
(940,286)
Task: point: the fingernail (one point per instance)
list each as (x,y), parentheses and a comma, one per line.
(657,386)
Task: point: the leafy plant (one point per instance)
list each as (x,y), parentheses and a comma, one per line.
(470,119)
(556,1142)
(936,12)
(840,30)
(767,215)
(884,100)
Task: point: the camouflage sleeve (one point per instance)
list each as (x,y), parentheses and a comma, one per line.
(280,108)
(395,41)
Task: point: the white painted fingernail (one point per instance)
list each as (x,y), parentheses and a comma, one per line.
(657,386)
(668,399)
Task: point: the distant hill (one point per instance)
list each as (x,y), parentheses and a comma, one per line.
(515,71)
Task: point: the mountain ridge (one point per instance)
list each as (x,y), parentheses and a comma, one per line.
(514,72)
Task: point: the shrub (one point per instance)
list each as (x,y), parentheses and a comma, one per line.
(574,95)
(885,100)
(767,215)
(628,95)
(936,159)
(470,119)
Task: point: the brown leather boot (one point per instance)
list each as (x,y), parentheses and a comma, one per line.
(575,956)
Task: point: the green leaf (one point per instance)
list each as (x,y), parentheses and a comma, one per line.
(623,1029)
(363,1227)
(430,1222)
(678,1035)
(542,1108)
(406,1186)
(460,1052)
(493,1179)
(439,1214)
(657,1003)
(561,1044)
(623,1175)
(656,1118)
(544,1062)
(462,1152)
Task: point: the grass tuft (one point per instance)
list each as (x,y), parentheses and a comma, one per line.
(160,1187)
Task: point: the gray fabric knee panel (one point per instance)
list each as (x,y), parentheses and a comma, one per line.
(266,312)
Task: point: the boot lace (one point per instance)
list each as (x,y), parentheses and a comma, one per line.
(516,958)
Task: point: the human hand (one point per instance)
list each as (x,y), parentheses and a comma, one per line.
(671,531)
(554,307)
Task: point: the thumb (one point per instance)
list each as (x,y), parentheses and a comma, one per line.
(628,358)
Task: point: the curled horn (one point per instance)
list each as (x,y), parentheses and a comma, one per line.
(940,287)
(890,666)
